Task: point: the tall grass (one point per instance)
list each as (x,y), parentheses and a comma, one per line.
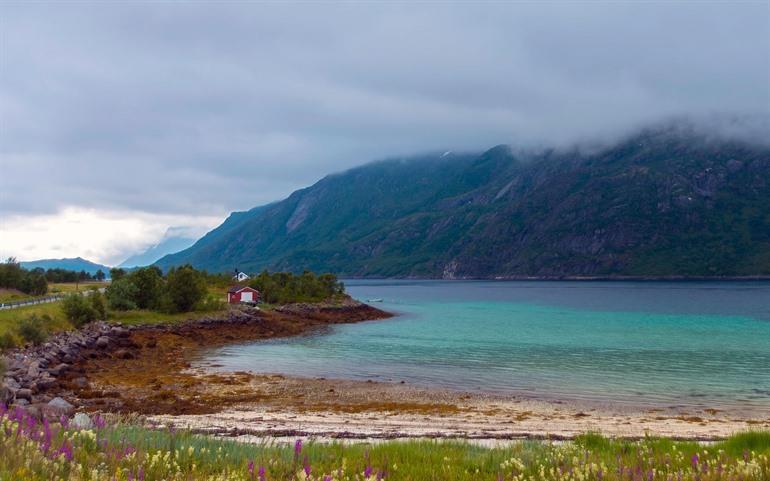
(123,451)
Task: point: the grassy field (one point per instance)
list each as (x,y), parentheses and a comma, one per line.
(55,320)
(143,316)
(10,295)
(123,451)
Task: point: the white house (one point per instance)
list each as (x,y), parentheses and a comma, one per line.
(240,276)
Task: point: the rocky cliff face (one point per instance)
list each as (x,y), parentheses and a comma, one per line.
(661,203)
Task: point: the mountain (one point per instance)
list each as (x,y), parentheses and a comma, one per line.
(72,264)
(168,245)
(663,202)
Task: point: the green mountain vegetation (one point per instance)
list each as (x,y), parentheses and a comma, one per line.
(664,202)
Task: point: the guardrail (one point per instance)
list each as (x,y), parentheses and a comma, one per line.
(40,300)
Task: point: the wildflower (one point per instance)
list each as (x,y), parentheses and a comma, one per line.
(297,449)
(251,469)
(695,460)
(261,473)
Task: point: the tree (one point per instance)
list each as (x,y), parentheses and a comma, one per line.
(121,294)
(149,287)
(99,275)
(78,310)
(117,273)
(185,287)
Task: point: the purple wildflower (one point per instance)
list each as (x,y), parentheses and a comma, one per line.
(297,448)
(307,466)
(695,460)
(261,473)
(251,469)
(367,470)
(66,450)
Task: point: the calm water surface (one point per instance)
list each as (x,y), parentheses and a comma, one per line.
(643,343)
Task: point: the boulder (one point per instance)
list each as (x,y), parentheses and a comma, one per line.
(81,421)
(7,394)
(60,406)
(24,394)
(119,332)
(102,342)
(11,383)
(59,369)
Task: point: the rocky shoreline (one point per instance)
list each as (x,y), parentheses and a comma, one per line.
(55,377)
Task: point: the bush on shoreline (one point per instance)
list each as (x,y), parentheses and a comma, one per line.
(285,287)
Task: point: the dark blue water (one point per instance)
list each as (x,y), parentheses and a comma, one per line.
(645,343)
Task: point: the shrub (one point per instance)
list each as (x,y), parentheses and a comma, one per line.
(32,329)
(7,341)
(121,294)
(97,304)
(210,303)
(186,287)
(78,310)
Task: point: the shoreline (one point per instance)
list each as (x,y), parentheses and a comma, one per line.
(160,371)
(571,278)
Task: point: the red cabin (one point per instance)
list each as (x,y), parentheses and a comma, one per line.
(242,294)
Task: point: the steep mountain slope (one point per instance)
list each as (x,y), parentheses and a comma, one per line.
(71,264)
(664,202)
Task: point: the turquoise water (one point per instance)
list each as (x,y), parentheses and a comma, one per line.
(642,343)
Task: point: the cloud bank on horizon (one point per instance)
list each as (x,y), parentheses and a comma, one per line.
(127,118)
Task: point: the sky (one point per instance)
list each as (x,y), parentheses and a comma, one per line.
(120,120)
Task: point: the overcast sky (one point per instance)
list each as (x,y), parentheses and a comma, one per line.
(121,119)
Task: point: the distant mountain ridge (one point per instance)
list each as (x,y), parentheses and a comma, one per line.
(167,245)
(664,202)
(71,264)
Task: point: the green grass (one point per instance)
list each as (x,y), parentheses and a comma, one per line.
(11,295)
(144,316)
(9,318)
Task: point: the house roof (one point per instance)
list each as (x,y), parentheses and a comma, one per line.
(235,289)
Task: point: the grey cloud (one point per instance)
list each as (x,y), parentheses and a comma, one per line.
(205,108)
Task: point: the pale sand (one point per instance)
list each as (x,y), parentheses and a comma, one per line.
(341,409)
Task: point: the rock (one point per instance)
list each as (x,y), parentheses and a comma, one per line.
(124,354)
(119,332)
(7,394)
(11,383)
(102,342)
(20,402)
(59,369)
(33,370)
(80,382)
(81,421)
(61,404)
(45,382)
(24,394)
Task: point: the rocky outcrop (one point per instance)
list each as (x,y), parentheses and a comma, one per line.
(32,375)
(82,370)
